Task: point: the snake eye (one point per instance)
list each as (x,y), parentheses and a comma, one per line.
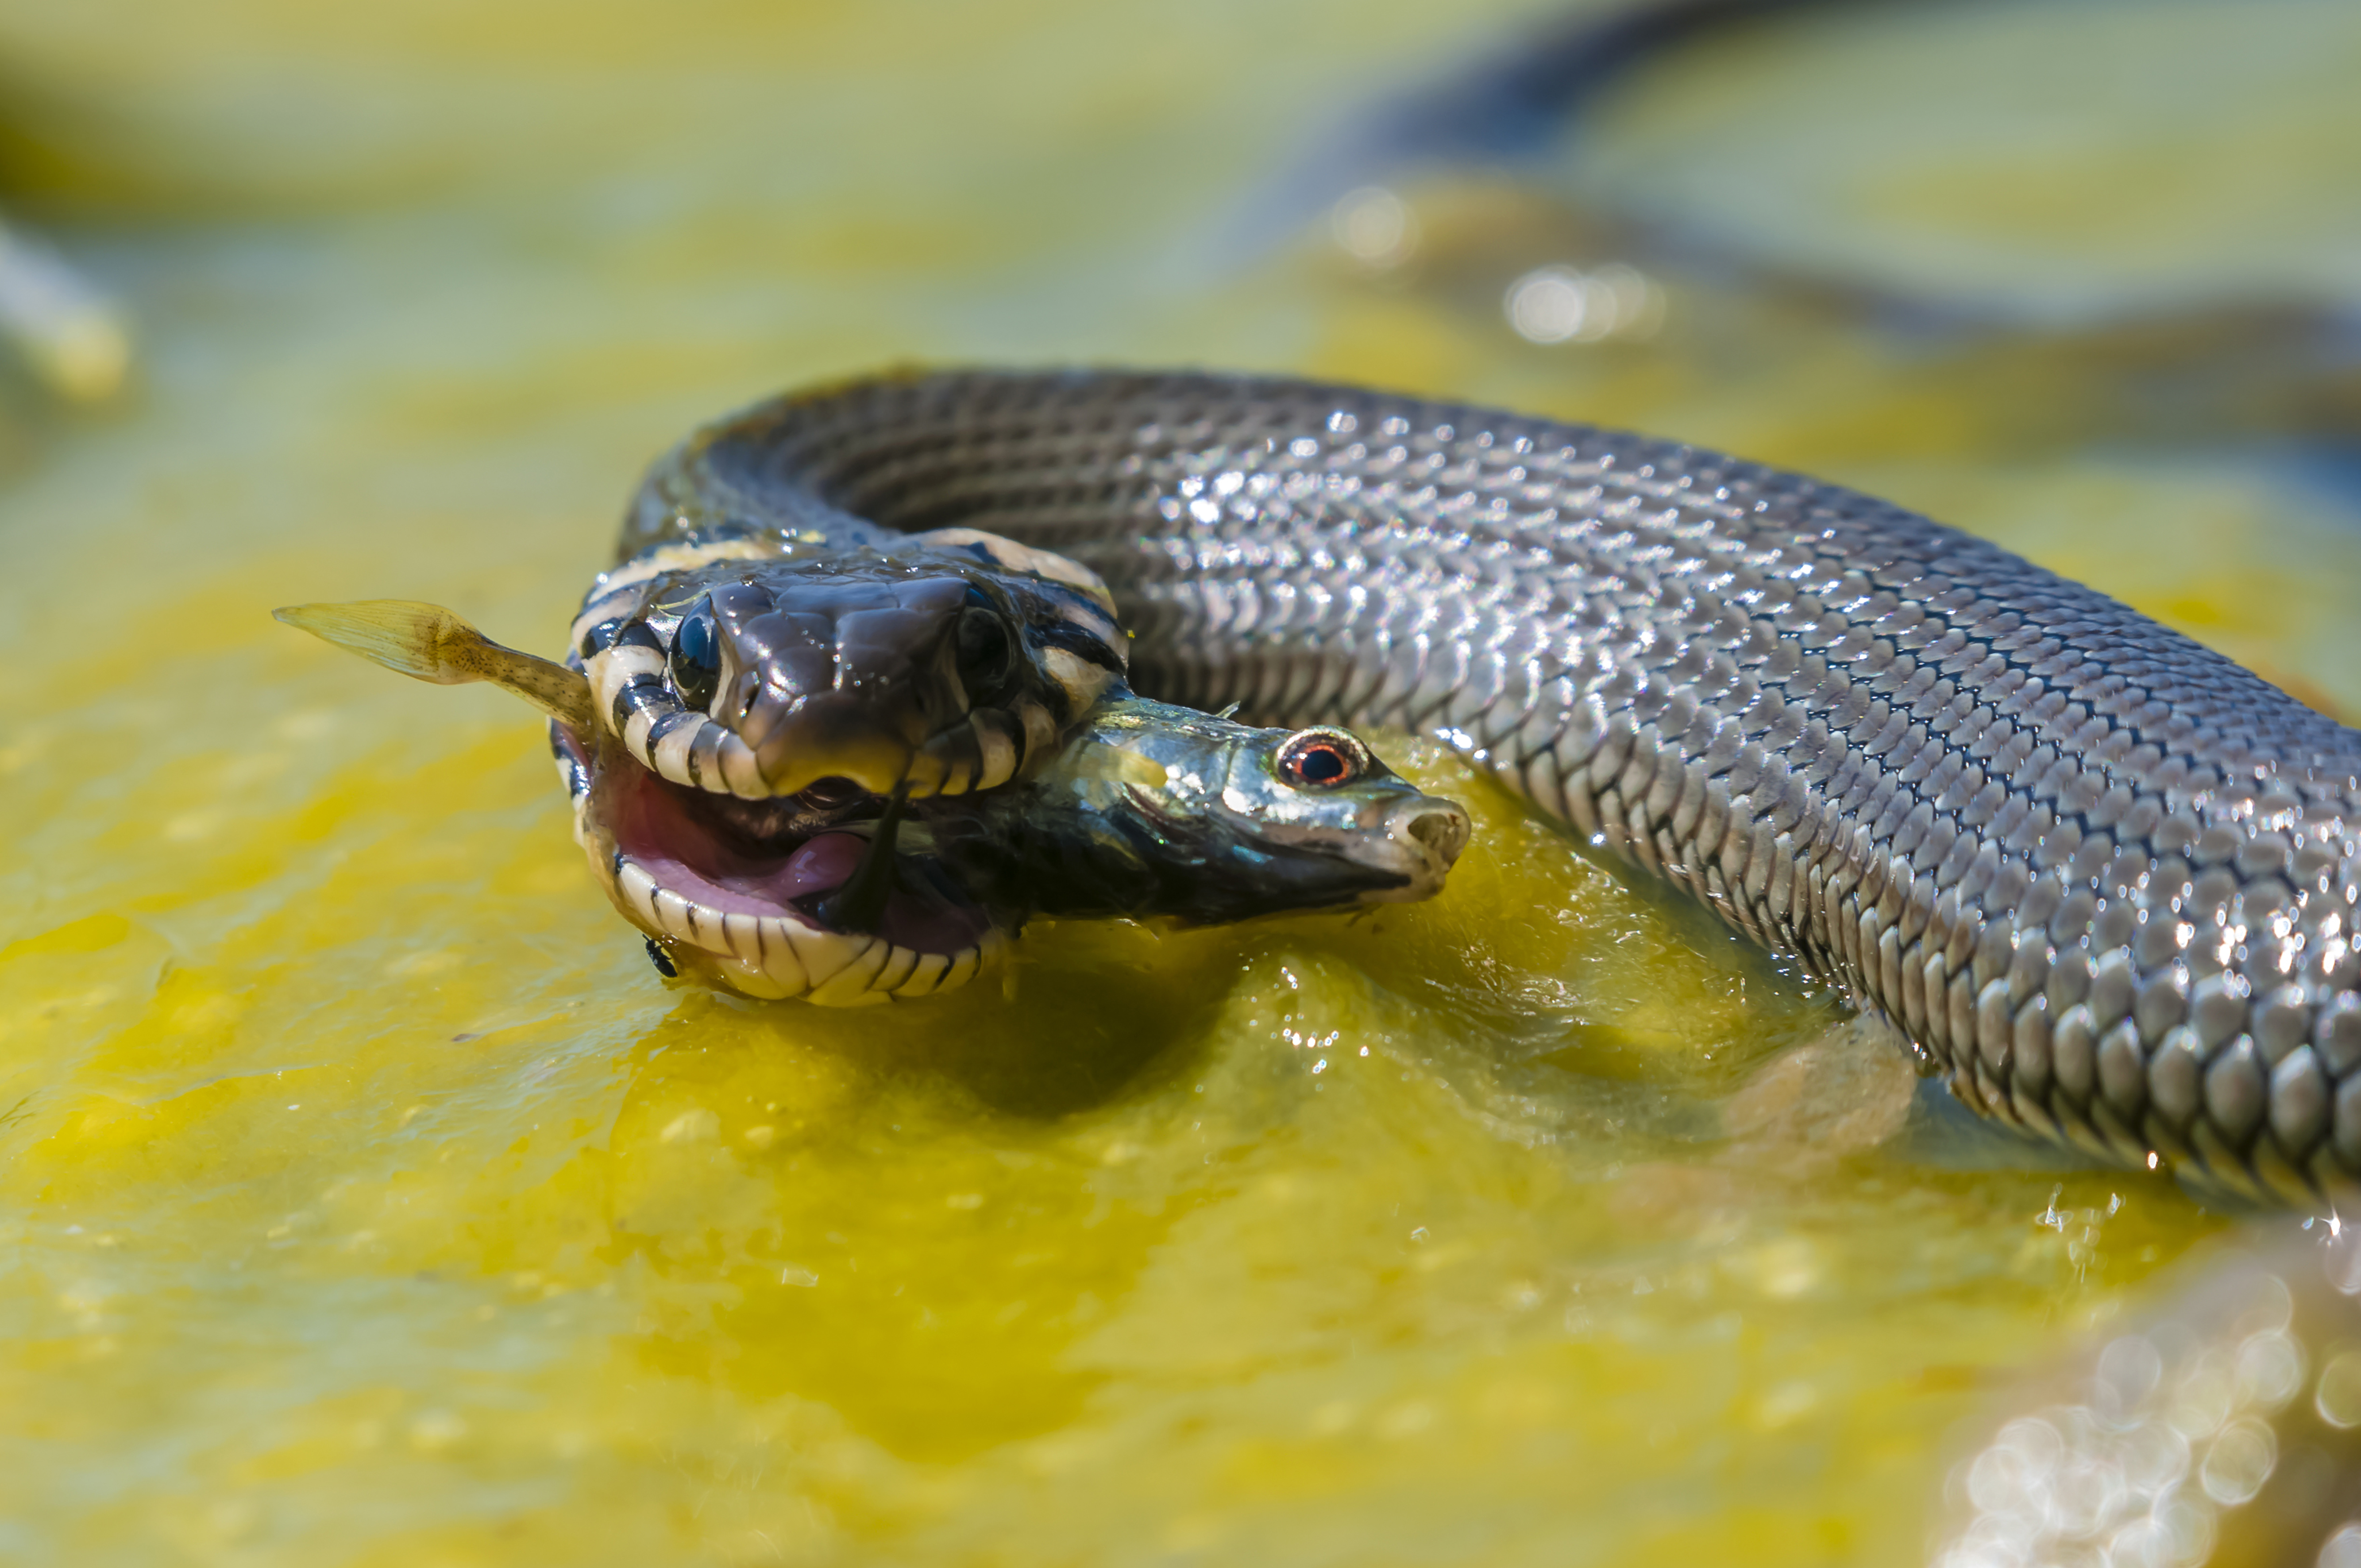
(696,662)
(985,651)
(1321,758)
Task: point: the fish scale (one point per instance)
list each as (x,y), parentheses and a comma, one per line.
(2104,879)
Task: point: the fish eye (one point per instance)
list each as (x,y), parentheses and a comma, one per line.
(696,661)
(1320,759)
(984,651)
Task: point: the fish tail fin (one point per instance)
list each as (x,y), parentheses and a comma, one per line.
(427,643)
(403,635)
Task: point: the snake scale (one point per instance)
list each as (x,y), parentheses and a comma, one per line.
(2103,879)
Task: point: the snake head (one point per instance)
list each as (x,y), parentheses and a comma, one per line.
(757,676)
(762,707)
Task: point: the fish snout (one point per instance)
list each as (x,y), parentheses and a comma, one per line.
(1427,833)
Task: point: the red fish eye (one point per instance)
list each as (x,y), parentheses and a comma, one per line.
(1318,761)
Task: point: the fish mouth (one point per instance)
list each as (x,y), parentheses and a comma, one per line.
(758,896)
(1398,849)
(1423,837)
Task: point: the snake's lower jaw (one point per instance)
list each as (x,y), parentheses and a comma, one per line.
(744,909)
(784,959)
(783,956)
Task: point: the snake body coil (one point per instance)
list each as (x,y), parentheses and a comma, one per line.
(2104,879)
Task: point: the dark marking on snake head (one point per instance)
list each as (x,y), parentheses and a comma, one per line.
(601,637)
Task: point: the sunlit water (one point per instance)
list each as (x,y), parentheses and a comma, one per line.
(367,1200)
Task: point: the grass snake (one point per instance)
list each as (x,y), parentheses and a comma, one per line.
(2100,877)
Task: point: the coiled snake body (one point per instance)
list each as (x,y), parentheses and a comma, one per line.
(2103,879)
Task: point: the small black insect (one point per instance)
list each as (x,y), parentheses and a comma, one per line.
(662,959)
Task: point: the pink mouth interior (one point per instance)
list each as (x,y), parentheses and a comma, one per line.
(656,824)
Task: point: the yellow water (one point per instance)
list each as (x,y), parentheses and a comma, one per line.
(367,1200)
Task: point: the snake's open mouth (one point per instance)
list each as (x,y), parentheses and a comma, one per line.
(789,897)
